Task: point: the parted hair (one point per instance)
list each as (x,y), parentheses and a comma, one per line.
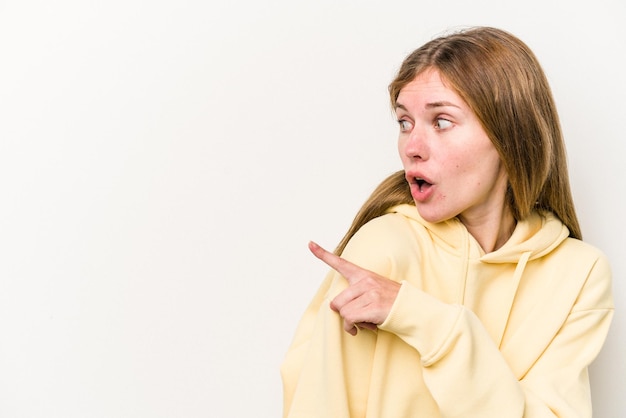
(501,80)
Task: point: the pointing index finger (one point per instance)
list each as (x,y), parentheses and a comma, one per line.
(340,265)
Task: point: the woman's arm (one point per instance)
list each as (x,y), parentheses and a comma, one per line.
(540,373)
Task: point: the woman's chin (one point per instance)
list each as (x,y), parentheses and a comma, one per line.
(432,216)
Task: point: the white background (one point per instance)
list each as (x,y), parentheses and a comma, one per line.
(164,163)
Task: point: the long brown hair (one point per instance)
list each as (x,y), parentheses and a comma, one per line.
(501,80)
(393,191)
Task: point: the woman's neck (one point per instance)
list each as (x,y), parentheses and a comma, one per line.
(493,232)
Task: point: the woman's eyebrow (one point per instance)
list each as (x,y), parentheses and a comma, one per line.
(441,104)
(400,106)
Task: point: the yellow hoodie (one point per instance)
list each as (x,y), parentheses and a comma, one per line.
(504,334)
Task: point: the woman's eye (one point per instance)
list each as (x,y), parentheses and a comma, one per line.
(442,123)
(405,125)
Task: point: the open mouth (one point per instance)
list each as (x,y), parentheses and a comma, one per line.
(422,184)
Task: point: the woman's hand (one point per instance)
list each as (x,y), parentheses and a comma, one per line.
(367,300)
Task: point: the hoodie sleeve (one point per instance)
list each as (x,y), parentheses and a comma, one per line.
(326,371)
(470,377)
(323,371)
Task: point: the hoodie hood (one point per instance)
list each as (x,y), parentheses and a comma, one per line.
(533,237)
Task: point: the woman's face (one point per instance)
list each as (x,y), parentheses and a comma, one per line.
(450,163)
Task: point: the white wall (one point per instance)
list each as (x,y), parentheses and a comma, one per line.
(164,163)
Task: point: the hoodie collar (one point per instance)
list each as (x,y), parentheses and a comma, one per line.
(537,235)
(533,237)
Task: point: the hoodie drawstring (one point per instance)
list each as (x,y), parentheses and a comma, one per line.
(517,276)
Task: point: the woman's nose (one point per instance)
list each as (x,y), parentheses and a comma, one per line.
(415,145)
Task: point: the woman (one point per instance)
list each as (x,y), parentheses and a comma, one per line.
(463,288)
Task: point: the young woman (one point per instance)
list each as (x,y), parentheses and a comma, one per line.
(463,288)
